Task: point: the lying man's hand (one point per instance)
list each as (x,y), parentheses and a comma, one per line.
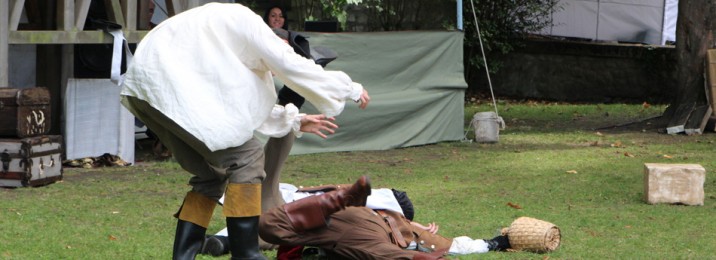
(432,227)
(317,124)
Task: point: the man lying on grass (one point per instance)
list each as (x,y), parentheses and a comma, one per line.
(345,222)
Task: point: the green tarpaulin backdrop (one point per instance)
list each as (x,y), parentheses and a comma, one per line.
(416,83)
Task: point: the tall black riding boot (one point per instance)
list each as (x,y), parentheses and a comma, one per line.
(244,237)
(193,218)
(498,243)
(187,240)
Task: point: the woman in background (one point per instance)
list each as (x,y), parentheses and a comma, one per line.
(275,17)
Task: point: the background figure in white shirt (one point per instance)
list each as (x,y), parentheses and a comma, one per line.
(202,81)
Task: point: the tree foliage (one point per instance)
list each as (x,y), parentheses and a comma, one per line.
(502,25)
(380,15)
(397,15)
(324,10)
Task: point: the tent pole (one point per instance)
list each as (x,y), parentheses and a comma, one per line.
(459,15)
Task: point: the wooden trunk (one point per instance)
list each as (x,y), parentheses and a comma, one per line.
(24,112)
(31,161)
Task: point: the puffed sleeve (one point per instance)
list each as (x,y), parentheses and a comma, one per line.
(282,120)
(326,90)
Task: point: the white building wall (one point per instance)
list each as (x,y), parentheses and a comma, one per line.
(644,21)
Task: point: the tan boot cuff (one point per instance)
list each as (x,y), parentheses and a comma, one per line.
(197,209)
(242,200)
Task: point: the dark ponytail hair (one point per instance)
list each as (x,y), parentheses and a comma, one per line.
(405,204)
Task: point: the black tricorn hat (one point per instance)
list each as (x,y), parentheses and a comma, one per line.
(321,55)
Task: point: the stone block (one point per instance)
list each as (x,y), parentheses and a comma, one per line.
(674,183)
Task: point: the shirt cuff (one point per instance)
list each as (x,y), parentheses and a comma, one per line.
(297,125)
(356,91)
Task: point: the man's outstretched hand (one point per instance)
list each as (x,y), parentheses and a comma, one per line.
(364,99)
(318,124)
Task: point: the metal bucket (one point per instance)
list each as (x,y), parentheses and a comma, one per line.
(487,127)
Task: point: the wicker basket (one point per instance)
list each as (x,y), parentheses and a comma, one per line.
(533,235)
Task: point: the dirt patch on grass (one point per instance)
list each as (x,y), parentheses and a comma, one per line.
(655,124)
(79,175)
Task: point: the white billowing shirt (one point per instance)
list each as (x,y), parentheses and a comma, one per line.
(209,70)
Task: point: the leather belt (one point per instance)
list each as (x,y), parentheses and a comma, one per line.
(397,236)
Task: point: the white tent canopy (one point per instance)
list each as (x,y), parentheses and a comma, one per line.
(645,21)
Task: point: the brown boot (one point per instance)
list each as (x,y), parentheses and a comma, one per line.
(314,211)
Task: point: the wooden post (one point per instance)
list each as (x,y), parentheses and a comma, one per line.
(4,43)
(67,15)
(130,15)
(66,22)
(16,13)
(81,10)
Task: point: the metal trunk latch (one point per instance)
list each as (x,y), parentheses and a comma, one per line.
(5,158)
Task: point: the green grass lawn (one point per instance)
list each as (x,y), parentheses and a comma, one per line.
(563,163)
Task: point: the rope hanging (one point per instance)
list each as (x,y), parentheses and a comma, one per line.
(484,60)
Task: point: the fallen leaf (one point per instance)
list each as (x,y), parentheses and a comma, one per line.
(592,233)
(572,171)
(667,156)
(627,226)
(111,237)
(627,154)
(68,247)
(595,143)
(513,205)
(617,144)
(645,105)
(599,134)
(545,257)
(446,177)
(115,212)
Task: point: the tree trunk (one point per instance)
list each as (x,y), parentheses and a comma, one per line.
(694,36)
